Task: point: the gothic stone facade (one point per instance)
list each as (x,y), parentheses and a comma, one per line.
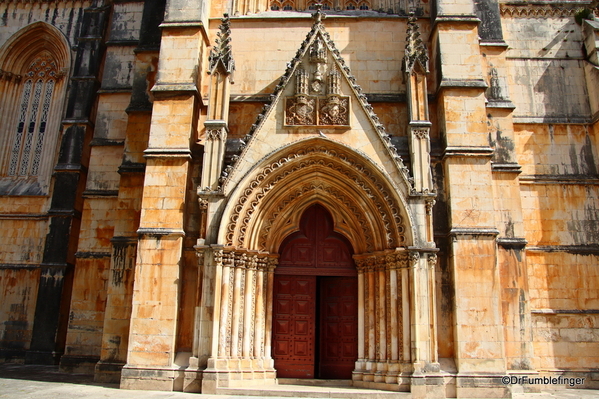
(195,202)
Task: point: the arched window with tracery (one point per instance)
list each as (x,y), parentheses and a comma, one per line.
(33,64)
(33,113)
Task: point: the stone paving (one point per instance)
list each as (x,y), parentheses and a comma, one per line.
(19,381)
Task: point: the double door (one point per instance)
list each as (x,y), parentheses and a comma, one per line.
(315,327)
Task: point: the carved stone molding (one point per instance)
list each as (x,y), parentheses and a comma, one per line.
(415,51)
(429,203)
(333,111)
(216,134)
(421,133)
(293,162)
(560,10)
(414,257)
(300,110)
(306,190)
(432,260)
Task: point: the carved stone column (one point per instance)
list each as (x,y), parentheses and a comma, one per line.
(381,317)
(415,66)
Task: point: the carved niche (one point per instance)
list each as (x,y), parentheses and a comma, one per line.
(311,106)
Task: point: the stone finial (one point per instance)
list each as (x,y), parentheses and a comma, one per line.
(221,51)
(334,82)
(318,16)
(415,48)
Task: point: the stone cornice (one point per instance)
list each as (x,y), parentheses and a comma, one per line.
(463,151)
(541,10)
(160,231)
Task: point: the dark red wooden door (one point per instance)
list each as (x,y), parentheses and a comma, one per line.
(338,327)
(294,325)
(315,256)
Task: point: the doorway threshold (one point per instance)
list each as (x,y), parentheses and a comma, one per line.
(312,388)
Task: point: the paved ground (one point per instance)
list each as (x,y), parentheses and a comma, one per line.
(45,382)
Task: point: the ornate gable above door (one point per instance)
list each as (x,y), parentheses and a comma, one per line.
(317,96)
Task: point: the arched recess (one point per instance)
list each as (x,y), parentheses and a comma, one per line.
(367,207)
(34,65)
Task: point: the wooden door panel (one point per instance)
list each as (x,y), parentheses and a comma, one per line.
(295,323)
(338,327)
(315,250)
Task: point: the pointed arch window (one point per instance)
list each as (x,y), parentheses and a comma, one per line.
(33,64)
(33,113)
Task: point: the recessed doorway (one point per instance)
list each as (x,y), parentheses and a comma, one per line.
(315,314)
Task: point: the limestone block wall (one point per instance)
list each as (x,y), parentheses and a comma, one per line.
(64,15)
(560,203)
(546,69)
(18,288)
(30,236)
(374,54)
(104,191)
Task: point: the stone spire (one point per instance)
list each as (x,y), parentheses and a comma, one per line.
(318,16)
(221,51)
(415,48)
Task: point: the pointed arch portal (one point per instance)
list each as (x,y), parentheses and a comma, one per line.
(316,213)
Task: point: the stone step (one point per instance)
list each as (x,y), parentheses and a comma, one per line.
(291,388)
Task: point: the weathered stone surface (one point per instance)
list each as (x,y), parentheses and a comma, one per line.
(148,254)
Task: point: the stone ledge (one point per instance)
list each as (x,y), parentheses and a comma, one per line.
(463,83)
(564,311)
(506,167)
(589,249)
(160,231)
(167,153)
(91,255)
(512,243)
(504,104)
(464,151)
(473,231)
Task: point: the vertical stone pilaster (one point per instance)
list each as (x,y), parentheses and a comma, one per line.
(241,345)
(415,67)
(119,298)
(175,113)
(115,334)
(52,307)
(471,210)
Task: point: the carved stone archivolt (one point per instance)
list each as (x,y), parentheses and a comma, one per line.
(309,190)
(347,182)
